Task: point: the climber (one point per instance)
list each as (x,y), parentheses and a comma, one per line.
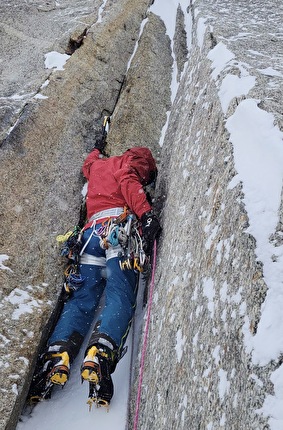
(115,188)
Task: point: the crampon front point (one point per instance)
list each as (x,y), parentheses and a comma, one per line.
(95,399)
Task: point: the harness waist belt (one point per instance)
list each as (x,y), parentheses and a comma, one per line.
(107,213)
(91,259)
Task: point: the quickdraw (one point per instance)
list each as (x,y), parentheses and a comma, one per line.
(71,247)
(71,244)
(134,256)
(73,278)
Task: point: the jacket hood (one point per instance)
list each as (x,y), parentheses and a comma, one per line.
(141,160)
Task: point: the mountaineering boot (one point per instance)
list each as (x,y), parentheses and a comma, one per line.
(96,369)
(52,368)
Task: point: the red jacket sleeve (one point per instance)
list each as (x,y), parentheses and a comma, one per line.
(93,156)
(132,191)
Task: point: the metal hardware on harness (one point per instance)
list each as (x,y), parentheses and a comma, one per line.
(73,279)
(134,256)
(123,231)
(137,265)
(125,264)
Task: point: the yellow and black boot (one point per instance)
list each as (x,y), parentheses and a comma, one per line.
(96,369)
(52,368)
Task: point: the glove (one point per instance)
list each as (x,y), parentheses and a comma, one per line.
(100,140)
(150,229)
(100,145)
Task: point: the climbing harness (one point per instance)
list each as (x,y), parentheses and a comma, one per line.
(124,231)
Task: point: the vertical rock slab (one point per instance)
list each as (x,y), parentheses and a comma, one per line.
(205,363)
(40,166)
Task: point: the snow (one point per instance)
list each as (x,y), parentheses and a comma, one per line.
(269,71)
(3,258)
(234,86)
(40,96)
(180,342)
(224,384)
(273,404)
(201,29)
(101,10)
(167,11)
(209,293)
(25,303)
(220,57)
(144,22)
(55,60)
(216,354)
(258,156)
(15,389)
(67,409)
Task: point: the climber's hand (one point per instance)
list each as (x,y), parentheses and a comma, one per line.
(150,229)
(100,144)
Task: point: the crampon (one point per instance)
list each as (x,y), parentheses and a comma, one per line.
(95,399)
(54,372)
(96,371)
(42,393)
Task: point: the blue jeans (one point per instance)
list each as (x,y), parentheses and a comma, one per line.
(104,276)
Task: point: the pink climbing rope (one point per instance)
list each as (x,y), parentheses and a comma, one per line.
(145,338)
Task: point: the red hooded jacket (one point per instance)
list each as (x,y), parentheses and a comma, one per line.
(118,181)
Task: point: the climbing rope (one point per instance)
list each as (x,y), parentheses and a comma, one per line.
(143,353)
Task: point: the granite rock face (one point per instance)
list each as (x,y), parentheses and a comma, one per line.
(41,158)
(198,374)
(209,282)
